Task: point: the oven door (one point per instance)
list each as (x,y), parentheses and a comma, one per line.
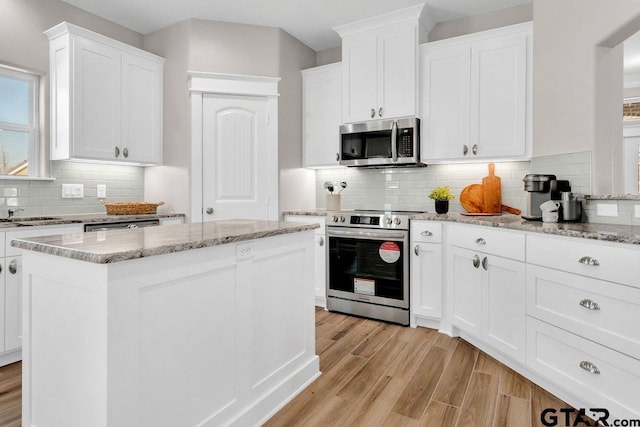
(368,265)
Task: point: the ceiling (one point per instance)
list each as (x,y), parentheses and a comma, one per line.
(310,21)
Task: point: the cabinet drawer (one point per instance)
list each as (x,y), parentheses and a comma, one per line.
(615,263)
(426,231)
(488,240)
(40,231)
(558,355)
(311,219)
(601,311)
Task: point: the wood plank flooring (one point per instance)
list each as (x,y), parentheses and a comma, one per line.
(377,374)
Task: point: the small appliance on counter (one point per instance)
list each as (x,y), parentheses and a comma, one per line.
(542,188)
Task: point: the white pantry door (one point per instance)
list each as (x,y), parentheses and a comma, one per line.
(235,181)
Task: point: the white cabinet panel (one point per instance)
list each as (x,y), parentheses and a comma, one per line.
(321,110)
(426,280)
(360,77)
(508,244)
(13,303)
(466,280)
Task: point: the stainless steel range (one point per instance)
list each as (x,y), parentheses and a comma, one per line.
(368,264)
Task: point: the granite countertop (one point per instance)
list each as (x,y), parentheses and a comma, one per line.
(309,212)
(103,247)
(629,234)
(44,220)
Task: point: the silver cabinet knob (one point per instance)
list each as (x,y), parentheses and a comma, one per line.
(426,233)
(132,226)
(481,241)
(587,260)
(13,267)
(209,211)
(476,261)
(373,113)
(321,241)
(474,149)
(589,304)
(485,263)
(125,152)
(465,150)
(117,151)
(380,112)
(416,250)
(589,367)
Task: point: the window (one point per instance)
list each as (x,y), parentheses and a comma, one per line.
(18,123)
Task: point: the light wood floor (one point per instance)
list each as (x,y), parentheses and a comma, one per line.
(375,373)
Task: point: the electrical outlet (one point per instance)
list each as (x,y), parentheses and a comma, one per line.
(244,251)
(101,191)
(72,191)
(636,211)
(603,209)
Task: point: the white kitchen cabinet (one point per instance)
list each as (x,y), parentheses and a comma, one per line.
(476,96)
(321,115)
(11,286)
(319,254)
(488,289)
(172,220)
(106,99)
(379,66)
(426,273)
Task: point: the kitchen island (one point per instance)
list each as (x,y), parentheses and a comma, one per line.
(191,324)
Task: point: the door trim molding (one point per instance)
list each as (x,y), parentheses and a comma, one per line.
(201,83)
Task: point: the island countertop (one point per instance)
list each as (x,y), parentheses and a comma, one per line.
(103,247)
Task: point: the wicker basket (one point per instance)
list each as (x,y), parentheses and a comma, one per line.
(130,208)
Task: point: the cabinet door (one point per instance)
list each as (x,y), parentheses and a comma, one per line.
(498,96)
(141,110)
(359,77)
(397,68)
(446,82)
(426,279)
(322,104)
(12,271)
(504,315)
(320,270)
(466,280)
(96,100)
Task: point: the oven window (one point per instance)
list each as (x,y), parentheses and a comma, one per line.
(352,259)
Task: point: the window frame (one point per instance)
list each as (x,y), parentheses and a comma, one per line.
(33,125)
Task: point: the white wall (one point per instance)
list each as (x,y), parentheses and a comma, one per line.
(577,81)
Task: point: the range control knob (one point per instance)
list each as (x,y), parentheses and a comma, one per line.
(342,219)
(389,220)
(396,221)
(334,219)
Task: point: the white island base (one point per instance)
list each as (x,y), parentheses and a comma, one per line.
(222,335)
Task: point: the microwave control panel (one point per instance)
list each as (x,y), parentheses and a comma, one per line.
(405,142)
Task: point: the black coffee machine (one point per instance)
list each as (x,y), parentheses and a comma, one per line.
(542,188)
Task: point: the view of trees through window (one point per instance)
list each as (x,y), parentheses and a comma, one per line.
(17,127)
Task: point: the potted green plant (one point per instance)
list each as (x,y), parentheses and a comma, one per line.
(442,195)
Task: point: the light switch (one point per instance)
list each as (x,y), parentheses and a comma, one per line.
(101,191)
(636,211)
(72,191)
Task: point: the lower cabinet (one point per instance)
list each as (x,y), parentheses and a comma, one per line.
(320,255)
(11,288)
(426,274)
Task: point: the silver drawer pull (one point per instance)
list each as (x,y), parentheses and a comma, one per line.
(485,263)
(416,250)
(587,260)
(481,241)
(426,233)
(476,261)
(591,305)
(589,367)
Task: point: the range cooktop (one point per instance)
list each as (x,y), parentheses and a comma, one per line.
(370,219)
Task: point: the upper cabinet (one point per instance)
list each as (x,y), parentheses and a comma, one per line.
(321,106)
(106,99)
(379,66)
(476,96)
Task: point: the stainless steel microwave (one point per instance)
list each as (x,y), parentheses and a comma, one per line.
(381,143)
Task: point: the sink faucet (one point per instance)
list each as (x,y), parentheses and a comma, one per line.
(13,212)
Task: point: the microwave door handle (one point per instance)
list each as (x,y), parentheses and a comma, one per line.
(394,141)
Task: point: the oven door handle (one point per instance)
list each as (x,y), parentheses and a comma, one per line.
(368,234)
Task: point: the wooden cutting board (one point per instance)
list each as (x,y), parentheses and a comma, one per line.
(492,191)
(472,198)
